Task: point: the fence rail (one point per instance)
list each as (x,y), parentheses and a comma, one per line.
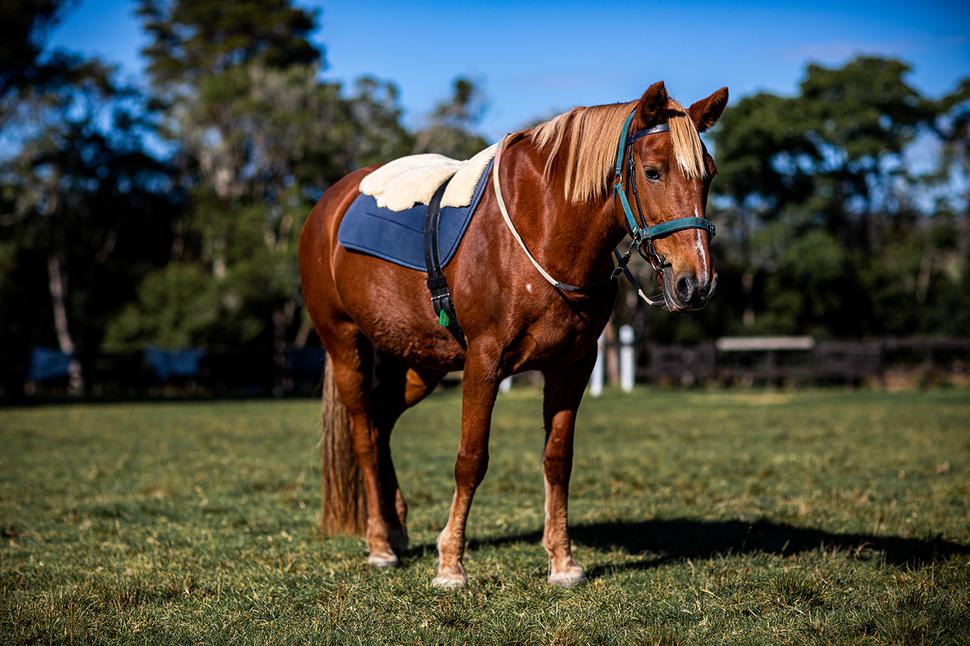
(767,359)
(743,360)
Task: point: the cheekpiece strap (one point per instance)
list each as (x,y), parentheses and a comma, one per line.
(637,232)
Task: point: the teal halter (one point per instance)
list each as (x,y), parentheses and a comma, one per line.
(641,234)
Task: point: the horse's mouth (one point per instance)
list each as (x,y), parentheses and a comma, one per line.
(674,304)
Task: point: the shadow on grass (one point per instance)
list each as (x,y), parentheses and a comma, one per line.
(665,541)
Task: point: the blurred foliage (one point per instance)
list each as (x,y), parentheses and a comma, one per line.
(170,216)
(193,40)
(449,128)
(23,26)
(824,226)
(84,208)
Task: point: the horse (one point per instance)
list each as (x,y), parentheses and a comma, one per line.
(559,206)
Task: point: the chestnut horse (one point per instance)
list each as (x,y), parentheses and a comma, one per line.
(387,350)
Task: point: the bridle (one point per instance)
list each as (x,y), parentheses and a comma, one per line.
(640,234)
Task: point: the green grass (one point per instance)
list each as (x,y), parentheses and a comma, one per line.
(721,517)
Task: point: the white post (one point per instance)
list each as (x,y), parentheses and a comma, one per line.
(627,363)
(596,379)
(505,385)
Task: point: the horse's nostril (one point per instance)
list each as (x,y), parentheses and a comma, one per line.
(685,288)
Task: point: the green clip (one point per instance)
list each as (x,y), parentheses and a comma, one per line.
(443,319)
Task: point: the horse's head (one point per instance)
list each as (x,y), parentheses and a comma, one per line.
(671,173)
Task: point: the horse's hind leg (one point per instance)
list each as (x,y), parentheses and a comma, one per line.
(396,389)
(418,384)
(373,391)
(562,394)
(376,389)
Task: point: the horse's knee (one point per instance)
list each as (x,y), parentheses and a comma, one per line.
(556,462)
(470,466)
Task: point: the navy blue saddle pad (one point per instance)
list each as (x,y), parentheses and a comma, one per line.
(398,236)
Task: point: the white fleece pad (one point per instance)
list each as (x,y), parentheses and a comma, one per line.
(411,180)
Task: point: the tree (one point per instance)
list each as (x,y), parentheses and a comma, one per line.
(817,186)
(192,40)
(259,137)
(83,205)
(449,129)
(23,26)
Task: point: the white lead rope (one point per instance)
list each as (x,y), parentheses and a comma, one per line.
(508,220)
(515,234)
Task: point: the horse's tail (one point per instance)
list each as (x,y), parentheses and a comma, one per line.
(344,508)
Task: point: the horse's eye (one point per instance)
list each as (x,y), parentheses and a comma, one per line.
(652,174)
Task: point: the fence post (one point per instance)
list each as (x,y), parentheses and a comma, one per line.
(596,379)
(627,363)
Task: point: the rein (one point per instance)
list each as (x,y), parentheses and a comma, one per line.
(639,234)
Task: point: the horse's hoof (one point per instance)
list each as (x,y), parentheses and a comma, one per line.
(399,540)
(383,560)
(569,578)
(450,581)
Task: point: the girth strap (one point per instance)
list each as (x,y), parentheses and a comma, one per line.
(444,307)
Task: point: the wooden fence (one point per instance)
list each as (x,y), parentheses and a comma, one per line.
(798,359)
(737,360)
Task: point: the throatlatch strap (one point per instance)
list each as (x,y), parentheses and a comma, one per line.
(444,307)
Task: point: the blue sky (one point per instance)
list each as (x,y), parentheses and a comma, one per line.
(536,59)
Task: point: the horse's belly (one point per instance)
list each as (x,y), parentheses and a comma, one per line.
(392,307)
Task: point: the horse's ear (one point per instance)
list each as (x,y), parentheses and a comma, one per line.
(706,112)
(652,106)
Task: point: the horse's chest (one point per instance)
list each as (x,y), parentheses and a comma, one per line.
(564,331)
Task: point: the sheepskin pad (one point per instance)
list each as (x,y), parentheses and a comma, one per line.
(401,184)
(398,236)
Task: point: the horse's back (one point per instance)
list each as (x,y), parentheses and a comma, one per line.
(384,301)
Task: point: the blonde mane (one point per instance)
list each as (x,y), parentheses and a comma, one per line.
(585,139)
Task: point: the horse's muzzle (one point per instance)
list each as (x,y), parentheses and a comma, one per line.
(688,293)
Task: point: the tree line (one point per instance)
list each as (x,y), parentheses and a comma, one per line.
(166,214)
(843,211)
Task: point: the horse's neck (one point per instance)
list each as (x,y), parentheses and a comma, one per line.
(573,242)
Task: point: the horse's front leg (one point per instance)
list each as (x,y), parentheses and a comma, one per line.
(562,394)
(478,390)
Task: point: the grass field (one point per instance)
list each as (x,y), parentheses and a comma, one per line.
(722,517)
